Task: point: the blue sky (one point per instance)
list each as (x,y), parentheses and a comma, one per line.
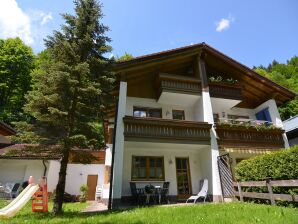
(253,32)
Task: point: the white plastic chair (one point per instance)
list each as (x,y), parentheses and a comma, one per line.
(99,191)
(202,194)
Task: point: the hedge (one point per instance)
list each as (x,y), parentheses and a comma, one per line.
(281,165)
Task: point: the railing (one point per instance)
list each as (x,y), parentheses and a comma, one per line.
(178,84)
(166,130)
(226,91)
(248,133)
(270,195)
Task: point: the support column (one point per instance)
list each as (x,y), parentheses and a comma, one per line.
(214,180)
(119,146)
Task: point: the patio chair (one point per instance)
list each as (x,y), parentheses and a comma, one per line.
(202,194)
(15,190)
(99,192)
(137,194)
(165,192)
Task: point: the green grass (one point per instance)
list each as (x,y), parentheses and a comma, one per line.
(204,213)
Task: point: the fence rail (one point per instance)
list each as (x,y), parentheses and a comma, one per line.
(270,195)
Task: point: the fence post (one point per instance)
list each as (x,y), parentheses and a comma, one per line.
(239,191)
(270,191)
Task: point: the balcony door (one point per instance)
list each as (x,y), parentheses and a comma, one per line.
(183,178)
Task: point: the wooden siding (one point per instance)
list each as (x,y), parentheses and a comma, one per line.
(166,130)
(226,91)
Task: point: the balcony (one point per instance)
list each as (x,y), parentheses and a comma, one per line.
(173,89)
(166,130)
(226,91)
(245,134)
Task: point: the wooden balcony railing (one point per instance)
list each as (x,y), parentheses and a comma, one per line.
(236,137)
(178,84)
(226,91)
(166,130)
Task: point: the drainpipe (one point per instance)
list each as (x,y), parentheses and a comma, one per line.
(45,167)
(113,157)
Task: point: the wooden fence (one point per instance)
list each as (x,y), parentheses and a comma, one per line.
(270,195)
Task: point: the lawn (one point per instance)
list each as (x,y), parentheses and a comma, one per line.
(204,213)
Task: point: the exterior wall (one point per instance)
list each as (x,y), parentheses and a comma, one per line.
(14,170)
(76,176)
(195,154)
(4,139)
(166,109)
(293,141)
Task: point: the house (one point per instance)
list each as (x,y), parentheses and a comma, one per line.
(179,110)
(291,128)
(5,130)
(20,161)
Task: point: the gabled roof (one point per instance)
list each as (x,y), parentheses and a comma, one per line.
(257,80)
(6,130)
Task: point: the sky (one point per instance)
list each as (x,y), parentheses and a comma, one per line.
(252,32)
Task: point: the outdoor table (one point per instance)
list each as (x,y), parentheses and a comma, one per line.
(157,190)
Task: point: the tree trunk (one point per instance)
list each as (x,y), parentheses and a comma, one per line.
(60,188)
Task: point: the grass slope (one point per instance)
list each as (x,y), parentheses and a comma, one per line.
(206,213)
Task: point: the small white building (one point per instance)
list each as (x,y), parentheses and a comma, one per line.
(291,128)
(19,162)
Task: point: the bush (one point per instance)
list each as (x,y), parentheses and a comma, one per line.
(281,165)
(83,189)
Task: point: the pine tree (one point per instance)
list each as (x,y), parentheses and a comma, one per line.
(69,99)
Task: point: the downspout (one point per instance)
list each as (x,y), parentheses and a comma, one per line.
(45,167)
(113,157)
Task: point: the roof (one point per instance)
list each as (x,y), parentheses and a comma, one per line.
(194,49)
(6,130)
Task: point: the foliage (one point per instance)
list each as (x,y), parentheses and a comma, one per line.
(287,76)
(124,57)
(71,92)
(220,79)
(224,213)
(83,190)
(281,165)
(16,64)
(248,126)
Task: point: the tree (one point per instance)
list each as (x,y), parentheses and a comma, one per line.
(124,57)
(69,99)
(16,64)
(287,76)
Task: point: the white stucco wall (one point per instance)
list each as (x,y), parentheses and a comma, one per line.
(4,139)
(144,102)
(169,152)
(18,171)
(76,176)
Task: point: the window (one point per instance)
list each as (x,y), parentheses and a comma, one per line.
(216,118)
(146,112)
(147,168)
(234,117)
(178,114)
(264,115)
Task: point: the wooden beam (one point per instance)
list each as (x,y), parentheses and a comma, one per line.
(202,71)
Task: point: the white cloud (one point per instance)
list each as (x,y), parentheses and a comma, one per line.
(224,23)
(45,18)
(14,22)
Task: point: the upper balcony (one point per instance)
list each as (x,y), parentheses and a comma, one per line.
(226,91)
(166,130)
(246,133)
(176,89)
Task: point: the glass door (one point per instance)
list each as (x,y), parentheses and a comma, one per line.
(183,177)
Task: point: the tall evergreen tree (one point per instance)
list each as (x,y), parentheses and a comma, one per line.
(69,99)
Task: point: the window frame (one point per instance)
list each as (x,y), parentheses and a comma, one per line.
(178,111)
(236,116)
(147,178)
(146,110)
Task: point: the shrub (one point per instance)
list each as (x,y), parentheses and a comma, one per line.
(83,189)
(281,165)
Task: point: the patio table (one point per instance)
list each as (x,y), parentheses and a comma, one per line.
(157,190)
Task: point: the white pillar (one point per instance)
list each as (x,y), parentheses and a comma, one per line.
(119,144)
(208,117)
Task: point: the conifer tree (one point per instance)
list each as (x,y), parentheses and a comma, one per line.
(69,98)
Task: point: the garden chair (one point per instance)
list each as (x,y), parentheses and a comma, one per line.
(165,192)
(202,194)
(137,194)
